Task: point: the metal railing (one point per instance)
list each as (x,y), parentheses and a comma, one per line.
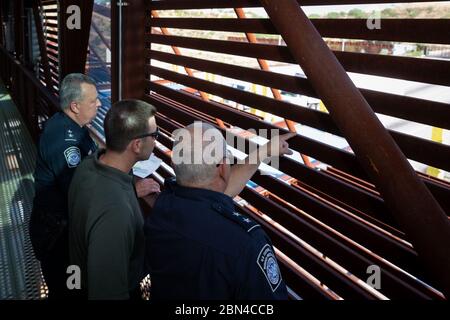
(34,101)
(328,225)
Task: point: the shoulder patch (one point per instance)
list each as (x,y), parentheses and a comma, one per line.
(73,156)
(267,262)
(245,222)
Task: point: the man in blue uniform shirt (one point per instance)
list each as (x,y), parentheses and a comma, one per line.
(198,246)
(64,142)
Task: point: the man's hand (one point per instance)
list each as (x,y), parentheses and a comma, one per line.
(278,146)
(241,173)
(145,187)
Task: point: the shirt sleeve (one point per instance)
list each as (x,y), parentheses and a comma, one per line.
(63,161)
(110,245)
(259,275)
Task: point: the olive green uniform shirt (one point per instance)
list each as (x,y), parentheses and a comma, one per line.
(106,237)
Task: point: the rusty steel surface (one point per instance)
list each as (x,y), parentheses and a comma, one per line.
(406,195)
(189,71)
(50,45)
(265,66)
(405,30)
(405,107)
(435,154)
(29,94)
(2,31)
(42,46)
(329,221)
(342,198)
(73,43)
(19,36)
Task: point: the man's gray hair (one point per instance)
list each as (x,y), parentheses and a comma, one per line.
(201,165)
(70,89)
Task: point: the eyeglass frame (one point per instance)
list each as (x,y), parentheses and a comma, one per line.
(154,134)
(228,157)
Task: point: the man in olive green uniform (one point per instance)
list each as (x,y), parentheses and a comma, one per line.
(106,237)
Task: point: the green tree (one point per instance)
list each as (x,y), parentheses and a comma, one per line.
(388,13)
(333,15)
(412,12)
(357,13)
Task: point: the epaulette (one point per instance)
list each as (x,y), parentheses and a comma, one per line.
(245,222)
(70,136)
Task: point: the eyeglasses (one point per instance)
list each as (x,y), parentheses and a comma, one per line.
(154,135)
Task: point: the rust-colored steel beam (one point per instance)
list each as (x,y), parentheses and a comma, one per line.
(177,51)
(2,35)
(73,43)
(101,61)
(275,92)
(411,203)
(189,71)
(42,46)
(338,247)
(100,34)
(115,61)
(129,61)
(19,29)
(102,10)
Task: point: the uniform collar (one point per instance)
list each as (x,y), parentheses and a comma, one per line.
(69,121)
(199,194)
(117,175)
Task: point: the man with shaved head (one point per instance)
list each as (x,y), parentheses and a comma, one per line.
(197,245)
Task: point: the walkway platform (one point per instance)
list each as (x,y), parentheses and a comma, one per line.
(20,272)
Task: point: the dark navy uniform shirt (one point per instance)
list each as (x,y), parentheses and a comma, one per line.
(199,247)
(62,146)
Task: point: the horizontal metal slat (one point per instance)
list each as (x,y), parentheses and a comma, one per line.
(401,30)
(418,149)
(185,119)
(292,277)
(318,150)
(414,69)
(329,276)
(441,192)
(408,108)
(358,230)
(338,248)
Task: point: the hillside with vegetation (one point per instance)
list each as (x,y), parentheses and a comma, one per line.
(400,11)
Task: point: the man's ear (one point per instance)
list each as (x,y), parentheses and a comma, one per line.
(135,145)
(73,106)
(222,168)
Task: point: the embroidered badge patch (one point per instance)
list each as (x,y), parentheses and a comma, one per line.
(73,156)
(268,264)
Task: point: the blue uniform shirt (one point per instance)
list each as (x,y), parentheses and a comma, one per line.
(62,146)
(199,247)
